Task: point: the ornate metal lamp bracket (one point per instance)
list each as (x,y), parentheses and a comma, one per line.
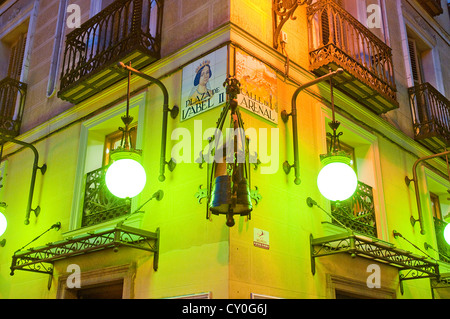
(36,167)
(166,110)
(416,188)
(282,11)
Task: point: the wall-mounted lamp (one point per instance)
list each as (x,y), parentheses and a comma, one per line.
(228,181)
(416,188)
(336,180)
(173,112)
(125,177)
(36,167)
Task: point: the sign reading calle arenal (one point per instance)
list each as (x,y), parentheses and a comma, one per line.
(258,87)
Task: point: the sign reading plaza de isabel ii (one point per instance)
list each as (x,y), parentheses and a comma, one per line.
(203,90)
(202,85)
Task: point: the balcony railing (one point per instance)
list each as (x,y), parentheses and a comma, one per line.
(443,247)
(99,204)
(126,30)
(431,116)
(337,39)
(12,101)
(433,7)
(357,212)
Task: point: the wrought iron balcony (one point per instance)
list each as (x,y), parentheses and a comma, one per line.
(433,7)
(443,247)
(12,101)
(431,116)
(99,204)
(357,212)
(126,30)
(338,40)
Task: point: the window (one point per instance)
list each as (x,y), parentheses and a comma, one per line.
(113,140)
(423,59)
(99,5)
(112,290)
(13,50)
(364,212)
(93,206)
(435,206)
(371,13)
(116,282)
(348,149)
(438,208)
(348,288)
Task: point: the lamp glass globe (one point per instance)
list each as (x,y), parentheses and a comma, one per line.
(125,178)
(447,233)
(337,181)
(3,224)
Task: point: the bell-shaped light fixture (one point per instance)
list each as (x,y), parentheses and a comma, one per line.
(229,181)
(337,180)
(125,177)
(3,221)
(447,233)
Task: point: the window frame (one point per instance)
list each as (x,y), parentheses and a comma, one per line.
(368,163)
(101,276)
(89,158)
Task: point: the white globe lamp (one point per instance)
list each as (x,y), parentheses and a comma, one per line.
(125,177)
(337,181)
(3,221)
(447,233)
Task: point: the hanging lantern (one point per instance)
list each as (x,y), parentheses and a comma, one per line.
(229,180)
(125,177)
(337,181)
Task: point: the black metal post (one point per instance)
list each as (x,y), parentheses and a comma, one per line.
(42,168)
(416,188)
(284,116)
(173,112)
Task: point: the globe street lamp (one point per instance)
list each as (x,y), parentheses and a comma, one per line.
(337,181)
(125,177)
(447,233)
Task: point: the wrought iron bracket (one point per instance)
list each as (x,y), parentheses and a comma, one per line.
(286,166)
(282,11)
(36,167)
(166,110)
(41,259)
(416,188)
